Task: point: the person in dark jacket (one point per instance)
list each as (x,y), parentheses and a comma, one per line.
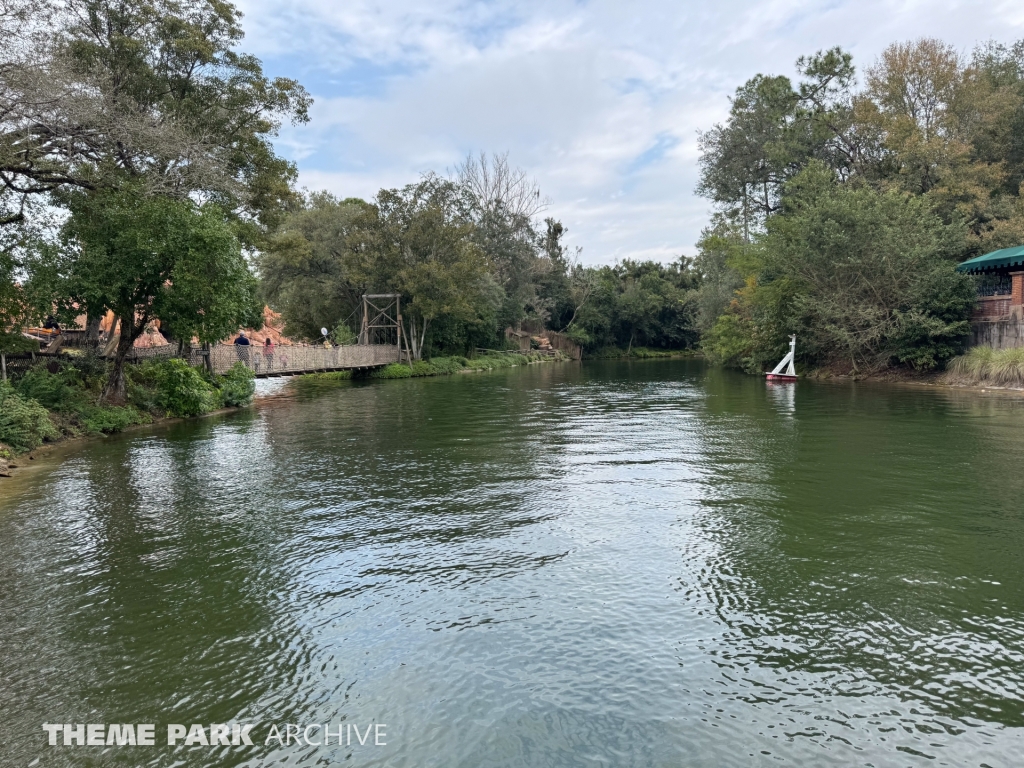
(242,347)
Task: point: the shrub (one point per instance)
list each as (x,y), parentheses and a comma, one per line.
(973,366)
(24,423)
(14,342)
(342,334)
(441,366)
(237,386)
(490,362)
(728,341)
(95,419)
(182,389)
(62,391)
(445,365)
(393,371)
(67,394)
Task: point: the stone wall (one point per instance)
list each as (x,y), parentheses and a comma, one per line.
(1004,333)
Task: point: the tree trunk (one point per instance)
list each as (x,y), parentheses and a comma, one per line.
(416,341)
(630,347)
(412,339)
(92,331)
(116,390)
(746,216)
(423,336)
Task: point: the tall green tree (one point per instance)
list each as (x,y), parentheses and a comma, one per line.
(419,242)
(305,268)
(774,129)
(635,303)
(144,257)
(865,278)
(105,93)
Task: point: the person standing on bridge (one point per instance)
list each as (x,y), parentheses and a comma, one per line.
(268,353)
(242,347)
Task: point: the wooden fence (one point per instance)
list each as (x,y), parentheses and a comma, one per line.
(558,341)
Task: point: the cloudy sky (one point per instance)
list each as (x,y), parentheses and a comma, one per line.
(600,101)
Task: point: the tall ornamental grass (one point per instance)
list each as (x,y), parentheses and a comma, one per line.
(984,365)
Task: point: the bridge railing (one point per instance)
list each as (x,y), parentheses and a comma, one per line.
(283,359)
(277,361)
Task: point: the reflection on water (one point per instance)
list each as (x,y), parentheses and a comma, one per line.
(615,564)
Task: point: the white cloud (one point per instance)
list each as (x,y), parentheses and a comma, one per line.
(601,101)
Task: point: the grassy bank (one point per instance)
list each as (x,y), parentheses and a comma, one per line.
(60,399)
(984,366)
(636,353)
(444,366)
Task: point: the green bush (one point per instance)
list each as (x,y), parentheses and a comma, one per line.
(237,386)
(70,395)
(24,423)
(641,353)
(393,371)
(11,343)
(182,389)
(442,366)
(342,334)
(490,362)
(729,340)
(445,365)
(95,419)
(62,391)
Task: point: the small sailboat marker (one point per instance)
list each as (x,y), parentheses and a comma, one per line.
(777,374)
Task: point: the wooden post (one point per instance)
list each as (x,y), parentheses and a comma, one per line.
(364,331)
(3,365)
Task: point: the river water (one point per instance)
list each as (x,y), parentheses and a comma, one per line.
(613,564)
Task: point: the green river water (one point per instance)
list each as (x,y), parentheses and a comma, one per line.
(613,564)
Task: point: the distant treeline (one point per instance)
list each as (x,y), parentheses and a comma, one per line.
(470,259)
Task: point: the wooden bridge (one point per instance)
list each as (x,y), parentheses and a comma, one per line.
(379,343)
(287,360)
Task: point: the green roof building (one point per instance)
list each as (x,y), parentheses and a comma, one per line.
(1000,283)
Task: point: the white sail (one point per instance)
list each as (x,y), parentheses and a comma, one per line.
(782,363)
(787,360)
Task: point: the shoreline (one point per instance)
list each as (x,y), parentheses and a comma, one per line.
(932,379)
(15,465)
(19,462)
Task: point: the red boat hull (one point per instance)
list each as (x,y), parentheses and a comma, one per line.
(780,377)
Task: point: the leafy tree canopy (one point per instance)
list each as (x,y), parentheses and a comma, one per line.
(145,257)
